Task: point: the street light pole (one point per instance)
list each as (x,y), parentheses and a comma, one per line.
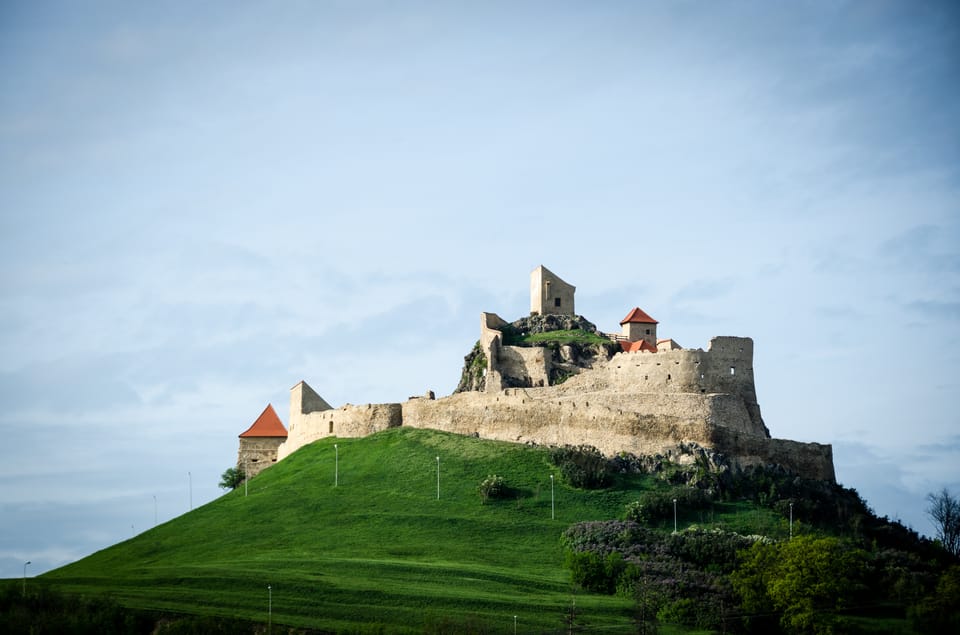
(269,608)
(791,521)
(674,515)
(190,476)
(438,478)
(514,625)
(553,513)
(244,477)
(154,510)
(336,466)
(25,578)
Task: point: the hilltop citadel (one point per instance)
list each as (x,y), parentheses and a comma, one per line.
(629,392)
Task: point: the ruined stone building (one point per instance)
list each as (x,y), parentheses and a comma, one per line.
(638,394)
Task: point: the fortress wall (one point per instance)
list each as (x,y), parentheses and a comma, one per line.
(490,339)
(490,325)
(257,453)
(346,421)
(682,371)
(688,370)
(639,423)
(651,423)
(811,460)
(529,364)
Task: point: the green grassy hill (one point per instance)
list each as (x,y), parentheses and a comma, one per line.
(379,550)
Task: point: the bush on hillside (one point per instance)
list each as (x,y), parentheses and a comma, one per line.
(232,478)
(655,507)
(492,487)
(582,466)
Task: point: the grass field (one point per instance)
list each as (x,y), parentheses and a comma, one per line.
(379,551)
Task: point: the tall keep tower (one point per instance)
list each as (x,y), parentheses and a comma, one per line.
(550,294)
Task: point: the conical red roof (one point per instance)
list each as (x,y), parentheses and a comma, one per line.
(638,316)
(267,425)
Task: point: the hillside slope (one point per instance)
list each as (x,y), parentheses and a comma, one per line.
(377,549)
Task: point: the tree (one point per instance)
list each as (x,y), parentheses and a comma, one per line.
(944,511)
(232,478)
(807,580)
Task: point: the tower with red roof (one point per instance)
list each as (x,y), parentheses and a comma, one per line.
(638,326)
(259,443)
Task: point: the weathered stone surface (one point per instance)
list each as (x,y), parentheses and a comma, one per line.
(641,403)
(345,421)
(257,454)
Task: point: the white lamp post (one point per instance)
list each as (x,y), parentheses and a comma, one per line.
(154,510)
(25,578)
(514,625)
(336,465)
(269,608)
(438,478)
(553,514)
(791,521)
(244,476)
(190,477)
(674,515)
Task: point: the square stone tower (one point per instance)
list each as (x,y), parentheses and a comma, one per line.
(550,294)
(640,326)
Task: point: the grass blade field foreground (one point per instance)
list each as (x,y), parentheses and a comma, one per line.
(378,551)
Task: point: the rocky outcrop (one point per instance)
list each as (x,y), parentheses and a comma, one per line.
(512,361)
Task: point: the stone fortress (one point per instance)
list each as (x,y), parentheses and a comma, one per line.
(635,393)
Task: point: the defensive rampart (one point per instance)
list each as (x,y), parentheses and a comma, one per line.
(641,403)
(312,418)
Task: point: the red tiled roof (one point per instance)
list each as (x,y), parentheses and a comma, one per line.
(267,425)
(637,315)
(639,345)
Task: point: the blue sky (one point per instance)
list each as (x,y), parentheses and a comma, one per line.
(201,205)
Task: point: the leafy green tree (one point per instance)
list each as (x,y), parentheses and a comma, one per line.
(944,511)
(232,478)
(940,611)
(806,580)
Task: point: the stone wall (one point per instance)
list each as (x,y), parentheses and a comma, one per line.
(528,366)
(642,403)
(725,367)
(345,421)
(257,454)
(550,294)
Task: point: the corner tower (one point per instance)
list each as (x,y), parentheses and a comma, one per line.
(550,294)
(259,443)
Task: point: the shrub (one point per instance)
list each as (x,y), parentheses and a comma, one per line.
(582,466)
(232,478)
(492,487)
(594,572)
(654,507)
